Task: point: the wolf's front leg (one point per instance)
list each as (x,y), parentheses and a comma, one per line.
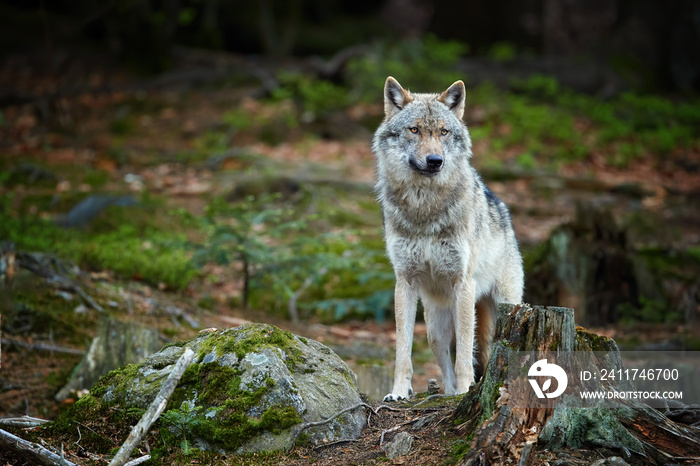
(405,302)
(464,334)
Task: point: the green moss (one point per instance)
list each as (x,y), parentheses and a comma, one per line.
(437,402)
(575,427)
(461,447)
(220,387)
(587,341)
(231,427)
(257,337)
(226,425)
(554,345)
(126,246)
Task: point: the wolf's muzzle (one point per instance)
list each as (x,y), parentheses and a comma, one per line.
(434,162)
(430,166)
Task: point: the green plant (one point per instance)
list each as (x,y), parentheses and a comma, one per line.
(282,261)
(248,232)
(181,422)
(315,97)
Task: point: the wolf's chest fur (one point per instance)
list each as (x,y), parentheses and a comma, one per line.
(425,231)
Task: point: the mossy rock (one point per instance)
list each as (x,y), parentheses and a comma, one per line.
(247,390)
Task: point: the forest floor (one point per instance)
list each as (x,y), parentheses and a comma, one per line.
(103,131)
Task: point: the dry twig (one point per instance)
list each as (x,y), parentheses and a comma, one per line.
(37,452)
(154,410)
(31,263)
(23,422)
(140,460)
(42,347)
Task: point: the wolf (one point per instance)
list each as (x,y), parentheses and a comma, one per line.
(450,240)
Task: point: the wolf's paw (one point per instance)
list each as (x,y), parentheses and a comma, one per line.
(393,397)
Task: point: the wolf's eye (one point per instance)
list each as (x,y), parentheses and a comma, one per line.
(443,131)
(413,129)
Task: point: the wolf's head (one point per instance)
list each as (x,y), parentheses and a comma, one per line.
(422,131)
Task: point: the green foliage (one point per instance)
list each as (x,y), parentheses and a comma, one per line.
(282,260)
(238,119)
(649,311)
(248,232)
(556,125)
(316,98)
(181,422)
(527,161)
(344,302)
(538,85)
(426,64)
(545,132)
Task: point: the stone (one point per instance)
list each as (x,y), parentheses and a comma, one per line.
(247,390)
(400,446)
(433,387)
(616,461)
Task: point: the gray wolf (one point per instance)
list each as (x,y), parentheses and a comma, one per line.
(449,238)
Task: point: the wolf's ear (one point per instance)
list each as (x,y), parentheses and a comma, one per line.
(395,97)
(454,98)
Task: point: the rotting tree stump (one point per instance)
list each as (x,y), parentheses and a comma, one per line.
(505,432)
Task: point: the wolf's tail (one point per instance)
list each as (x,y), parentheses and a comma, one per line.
(485,323)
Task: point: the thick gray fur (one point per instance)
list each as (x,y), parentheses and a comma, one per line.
(449,238)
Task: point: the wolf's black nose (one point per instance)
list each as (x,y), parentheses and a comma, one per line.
(434,161)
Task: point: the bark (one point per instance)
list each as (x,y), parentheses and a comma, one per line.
(504,432)
(114,345)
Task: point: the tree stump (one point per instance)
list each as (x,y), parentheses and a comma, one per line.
(503,431)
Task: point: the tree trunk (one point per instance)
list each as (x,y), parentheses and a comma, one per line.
(503,430)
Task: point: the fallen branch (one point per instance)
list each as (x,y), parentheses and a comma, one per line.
(42,347)
(36,452)
(154,410)
(140,460)
(388,431)
(31,263)
(23,422)
(325,445)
